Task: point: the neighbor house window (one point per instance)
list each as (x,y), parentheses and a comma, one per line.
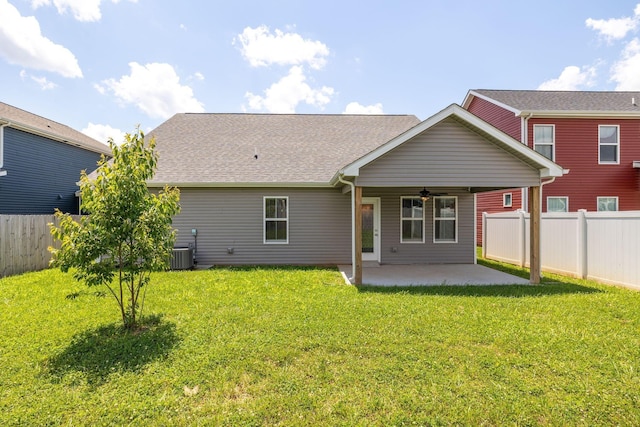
(507,200)
(607,204)
(543,140)
(558,204)
(609,145)
(411,220)
(276,220)
(445,219)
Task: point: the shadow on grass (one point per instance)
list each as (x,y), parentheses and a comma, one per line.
(506,291)
(266,267)
(98,353)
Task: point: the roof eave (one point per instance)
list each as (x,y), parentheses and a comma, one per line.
(473,94)
(189,184)
(50,135)
(578,114)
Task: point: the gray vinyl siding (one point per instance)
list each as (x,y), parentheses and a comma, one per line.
(462,252)
(319,226)
(41,174)
(448,155)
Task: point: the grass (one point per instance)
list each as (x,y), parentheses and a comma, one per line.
(295,346)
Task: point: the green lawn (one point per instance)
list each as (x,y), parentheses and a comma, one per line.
(271,346)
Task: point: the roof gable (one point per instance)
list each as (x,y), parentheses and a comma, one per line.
(501,140)
(200,149)
(561,103)
(28,122)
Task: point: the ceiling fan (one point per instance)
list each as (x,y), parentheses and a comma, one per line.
(425,194)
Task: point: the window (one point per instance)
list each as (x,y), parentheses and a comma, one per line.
(411,220)
(558,204)
(543,140)
(507,200)
(276,220)
(607,204)
(609,145)
(445,219)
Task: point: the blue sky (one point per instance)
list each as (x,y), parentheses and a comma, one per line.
(106,66)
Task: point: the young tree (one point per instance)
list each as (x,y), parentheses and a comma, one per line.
(127,233)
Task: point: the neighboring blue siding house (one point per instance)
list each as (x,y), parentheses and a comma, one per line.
(40,163)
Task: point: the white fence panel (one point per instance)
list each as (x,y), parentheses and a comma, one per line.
(559,242)
(613,247)
(603,246)
(499,232)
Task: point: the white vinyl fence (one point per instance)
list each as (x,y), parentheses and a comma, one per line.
(603,246)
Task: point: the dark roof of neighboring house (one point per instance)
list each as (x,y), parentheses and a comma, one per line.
(265,149)
(32,123)
(525,101)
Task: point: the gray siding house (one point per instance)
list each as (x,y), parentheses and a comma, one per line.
(336,189)
(40,163)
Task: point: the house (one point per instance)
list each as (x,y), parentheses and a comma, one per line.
(595,136)
(336,189)
(40,163)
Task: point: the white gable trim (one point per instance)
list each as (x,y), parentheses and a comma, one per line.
(547,167)
(473,94)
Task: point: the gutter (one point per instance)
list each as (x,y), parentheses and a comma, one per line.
(353,223)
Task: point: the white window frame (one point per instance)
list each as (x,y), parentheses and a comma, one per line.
(436,219)
(265,220)
(566,202)
(505,203)
(403,218)
(617,145)
(607,197)
(552,144)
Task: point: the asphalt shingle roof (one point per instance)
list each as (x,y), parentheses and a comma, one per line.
(29,122)
(201,148)
(541,100)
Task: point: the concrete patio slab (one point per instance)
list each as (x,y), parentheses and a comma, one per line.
(431,274)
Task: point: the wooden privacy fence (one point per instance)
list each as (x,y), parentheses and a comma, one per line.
(603,246)
(24,240)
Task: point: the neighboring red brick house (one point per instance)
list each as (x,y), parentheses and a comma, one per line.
(593,135)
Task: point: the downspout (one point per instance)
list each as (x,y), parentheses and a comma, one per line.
(2,126)
(553,178)
(353,223)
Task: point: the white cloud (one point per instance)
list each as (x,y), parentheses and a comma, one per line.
(102,133)
(571,78)
(82,10)
(44,83)
(198,75)
(261,48)
(615,29)
(284,95)
(356,108)
(22,43)
(626,72)
(155,89)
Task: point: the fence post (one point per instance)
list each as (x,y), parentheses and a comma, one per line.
(484,235)
(522,238)
(581,268)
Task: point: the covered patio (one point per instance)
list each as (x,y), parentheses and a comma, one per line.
(430,275)
(429,235)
